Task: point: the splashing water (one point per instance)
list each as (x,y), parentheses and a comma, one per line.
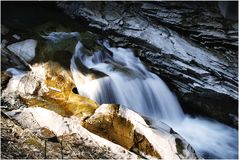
(126,81)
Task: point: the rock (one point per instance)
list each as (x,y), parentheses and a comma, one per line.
(17,142)
(60,97)
(50,86)
(24,49)
(17,37)
(25,83)
(5,77)
(196,55)
(128,126)
(229,10)
(11,60)
(82,143)
(4,43)
(56,37)
(128,129)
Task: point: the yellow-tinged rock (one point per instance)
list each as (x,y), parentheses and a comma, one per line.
(128,129)
(112,127)
(109,124)
(60,97)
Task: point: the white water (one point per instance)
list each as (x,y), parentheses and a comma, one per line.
(129,83)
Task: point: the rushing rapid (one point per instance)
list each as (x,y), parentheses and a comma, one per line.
(120,77)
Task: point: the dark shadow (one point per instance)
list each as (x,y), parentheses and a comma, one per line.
(74,90)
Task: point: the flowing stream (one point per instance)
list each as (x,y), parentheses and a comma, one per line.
(129,83)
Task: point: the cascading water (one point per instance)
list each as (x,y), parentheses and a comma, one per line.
(128,82)
(115,75)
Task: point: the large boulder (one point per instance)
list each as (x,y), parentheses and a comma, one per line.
(196,55)
(116,123)
(72,141)
(49,86)
(128,129)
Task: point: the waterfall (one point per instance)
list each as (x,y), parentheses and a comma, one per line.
(126,81)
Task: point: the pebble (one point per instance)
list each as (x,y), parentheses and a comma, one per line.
(17,37)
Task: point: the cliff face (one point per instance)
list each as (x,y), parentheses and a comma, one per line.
(190,45)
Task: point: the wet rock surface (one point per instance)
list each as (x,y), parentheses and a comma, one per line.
(190,45)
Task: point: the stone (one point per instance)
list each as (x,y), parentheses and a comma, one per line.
(70,133)
(56,37)
(24,49)
(49,86)
(26,83)
(5,77)
(19,143)
(11,60)
(17,37)
(128,129)
(128,126)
